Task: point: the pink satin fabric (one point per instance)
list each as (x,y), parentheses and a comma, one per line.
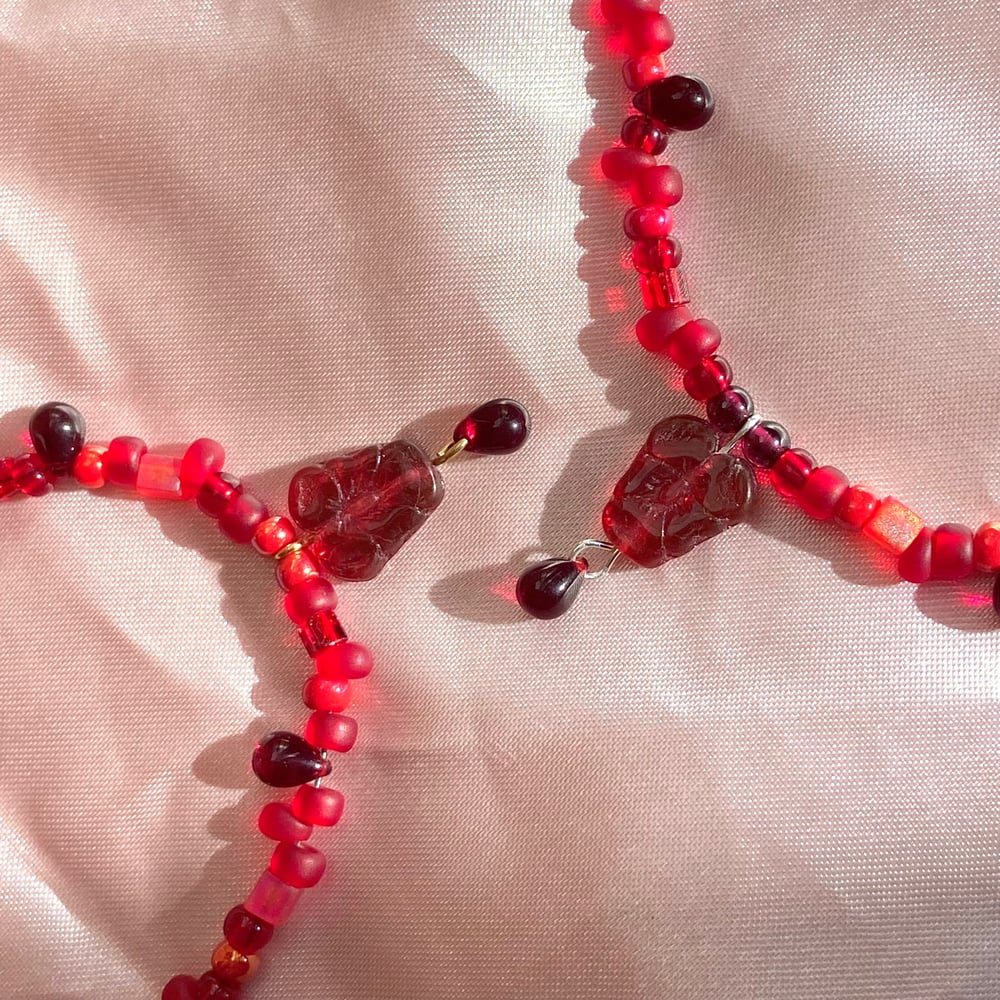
(764,771)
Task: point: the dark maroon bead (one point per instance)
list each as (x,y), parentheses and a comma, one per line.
(496,428)
(548,589)
(216,493)
(210,987)
(285,760)
(729,410)
(57,432)
(683,103)
(180,988)
(764,444)
(996,594)
(245,932)
(642,133)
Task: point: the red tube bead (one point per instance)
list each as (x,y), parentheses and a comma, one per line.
(332,731)
(349,660)
(893,526)
(241,516)
(790,472)
(121,461)
(202,458)
(659,185)
(272,900)
(655,328)
(272,535)
(327,694)
(321,631)
(951,552)
(159,477)
(822,491)
(620,164)
(308,598)
(277,822)
(915,560)
(661,254)
(298,865)
(318,806)
(986,548)
(855,508)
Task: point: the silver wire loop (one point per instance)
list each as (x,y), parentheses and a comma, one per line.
(597,543)
(749,425)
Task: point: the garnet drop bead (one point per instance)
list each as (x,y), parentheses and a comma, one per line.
(683,103)
(548,589)
(496,428)
(285,760)
(57,431)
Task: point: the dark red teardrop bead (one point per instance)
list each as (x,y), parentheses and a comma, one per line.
(678,102)
(284,760)
(548,589)
(495,428)
(57,432)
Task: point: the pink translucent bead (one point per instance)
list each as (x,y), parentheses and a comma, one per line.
(660,185)
(202,458)
(159,477)
(648,33)
(620,164)
(331,731)
(693,341)
(241,516)
(822,491)
(349,660)
(790,472)
(318,806)
(915,560)
(655,328)
(121,461)
(327,694)
(272,900)
(640,72)
(277,822)
(308,598)
(298,865)
(951,552)
(986,548)
(272,535)
(893,526)
(648,222)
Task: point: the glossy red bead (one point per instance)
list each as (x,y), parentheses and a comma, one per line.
(285,760)
(88,469)
(951,552)
(656,255)
(349,660)
(708,378)
(318,806)
(159,477)
(272,899)
(273,534)
(855,508)
(277,822)
(986,547)
(121,461)
(298,865)
(332,731)
(643,70)
(241,517)
(213,987)
(660,185)
(648,222)
(915,560)
(321,631)
(642,133)
(30,477)
(654,329)
(327,694)
(308,598)
(180,988)
(790,472)
(620,164)
(296,568)
(200,460)
(693,341)
(648,33)
(498,427)
(822,491)
(216,492)
(245,931)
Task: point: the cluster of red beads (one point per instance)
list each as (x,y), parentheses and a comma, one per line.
(25,474)
(948,552)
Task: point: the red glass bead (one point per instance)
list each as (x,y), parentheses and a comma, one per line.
(233,967)
(245,931)
(309,598)
(648,222)
(822,491)
(620,164)
(730,409)
(855,508)
(272,900)
(121,461)
(57,433)
(915,560)
(951,552)
(201,459)
(298,865)
(765,443)
(89,467)
(284,760)
(621,11)
(654,329)
(986,548)
(272,535)
(277,822)
(790,472)
(327,694)
(893,525)
(660,185)
(498,427)
(643,70)
(548,589)
(350,660)
(159,477)
(665,290)
(216,492)
(211,987)
(320,632)
(332,731)
(648,33)
(679,102)
(642,133)
(241,516)
(656,255)
(29,476)
(318,806)
(180,988)
(708,378)
(296,568)
(688,344)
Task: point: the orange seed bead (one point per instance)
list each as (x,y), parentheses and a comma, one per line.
(232,965)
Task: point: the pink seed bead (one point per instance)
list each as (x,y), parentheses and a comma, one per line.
(89,466)
(202,458)
(640,72)
(295,568)
(277,822)
(915,560)
(272,535)
(951,552)
(856,508)
(272,900)
(350,660)
(660,185)
(620,164)
(790,472)
(692,342)
(121,462)
(309,598)
(327,694)
(822,491)
(318,806)
(655,328)
(986,548)
(648,33)
(331,731)
(241,516)
(298,865)
(159,477)
(708,378)
(648,222)
(893,525)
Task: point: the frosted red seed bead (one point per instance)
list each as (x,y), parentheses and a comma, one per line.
(640,72)
(159,477)
(708,378)
(648,222)
(951,552)
(688,344)
(327,694)
(295,568)
(351,660)
(308,598)
(790,472)
(822,491)
(121,461)
(241,516)
(620,164)
(88,468)
(298,865)
(648,33)
(277,822)
(986,548)
(620,11)
(318,806)
(915,560)
(332,731)
(655,328)
(855,508)
(272,535)
(659,185)
(272,900)
(200,460)
(893,526)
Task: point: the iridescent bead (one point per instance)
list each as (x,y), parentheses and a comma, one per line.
(679,102)
(688,344)
(318,806)
(272,535)
(620,164)
(272,900)
(277,822)
(856,508)
(986,547)
(914,563)
(790,472)
(893,526)
(708,378)
(88,469)
(232,966)
(298,865)
(661,185)
(284,760)
(348,660)
(642,133)
(159,477)
(309,598)
(498,427)
(951,552)
(648,222)
(216,492)
(57,432)
(201,459)
(121,461)
(730,409)
(326,694)
(245,931)
(332,731)
(241,516)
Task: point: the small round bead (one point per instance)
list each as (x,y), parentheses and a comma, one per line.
(180,988)
(986,547)
(643,70)
(822,491)
(789,473)
(216,492)
(856,508)
(708,378)
(30,476)
(694,341)
(951,552)
(121,461)
(272,900)
(679,102)
(201,459)
(620,164)
(318,806)
(57,431)
(654,329)
(246,932)
(273,534)
(309,598)
(277,822)
(648,33)
(914,562)
(660,185)
(349,660)
(89,466)
(295,568)
(642,133)
(327,694)
(298,865)
(332,731)
(233,966)
(240,519)
(730,409)
(648,222)
(621,11)
(654,256)
(212,987)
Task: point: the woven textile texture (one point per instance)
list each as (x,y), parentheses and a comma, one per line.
(767,770)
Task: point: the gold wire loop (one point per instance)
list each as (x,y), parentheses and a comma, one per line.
(288,550)
(450,451)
